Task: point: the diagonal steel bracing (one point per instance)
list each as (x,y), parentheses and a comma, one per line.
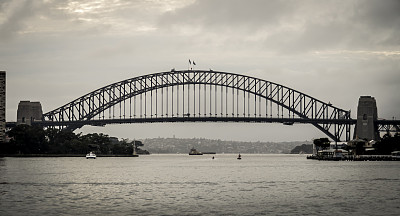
(197,95)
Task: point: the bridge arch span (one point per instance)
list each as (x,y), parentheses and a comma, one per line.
(199,95)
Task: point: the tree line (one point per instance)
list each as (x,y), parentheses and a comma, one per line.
(25,139)
(387,144)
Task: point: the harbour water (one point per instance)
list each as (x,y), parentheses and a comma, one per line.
(198,185)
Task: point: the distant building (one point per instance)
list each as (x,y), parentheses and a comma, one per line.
(2,106)
(29,112)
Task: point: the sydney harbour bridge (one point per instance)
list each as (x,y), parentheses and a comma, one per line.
(203,96)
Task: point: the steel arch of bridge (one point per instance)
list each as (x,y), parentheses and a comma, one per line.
(198,95)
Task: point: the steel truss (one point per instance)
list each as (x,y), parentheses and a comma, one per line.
(388,125)
(197,95)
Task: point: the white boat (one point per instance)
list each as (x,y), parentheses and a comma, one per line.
(395,155)
(332,154)
(91,155)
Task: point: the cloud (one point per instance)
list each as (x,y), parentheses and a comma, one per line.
(381,21)
(47,18)
(226,15)
(378,14)
(288,27)
(15,13)
(281,27)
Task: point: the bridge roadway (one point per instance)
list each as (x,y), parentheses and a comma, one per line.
(383,125)
(286,121)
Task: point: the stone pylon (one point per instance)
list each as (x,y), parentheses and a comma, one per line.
(29,112)
(367,113)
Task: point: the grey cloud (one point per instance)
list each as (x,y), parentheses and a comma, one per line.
(378,14)
(52,17)
(317,36)
(228,14)
(2,5)
(15,21)
(372,24)
(294,26)
(29,15)
(365,25)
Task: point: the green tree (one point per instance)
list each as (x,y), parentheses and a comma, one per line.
(122,147)
(28,139)
(102,140)
(387,144)
(62,142)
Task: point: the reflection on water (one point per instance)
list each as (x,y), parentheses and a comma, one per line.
(198,185)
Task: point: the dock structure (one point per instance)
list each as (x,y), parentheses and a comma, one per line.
(356,158)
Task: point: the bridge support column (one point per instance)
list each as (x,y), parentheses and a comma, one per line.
(28,112)
(367,114)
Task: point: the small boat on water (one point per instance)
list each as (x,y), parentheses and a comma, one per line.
(395,155)
(239,157)
(193,151)
(91,155)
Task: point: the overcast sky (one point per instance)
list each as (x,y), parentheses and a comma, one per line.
(55,51)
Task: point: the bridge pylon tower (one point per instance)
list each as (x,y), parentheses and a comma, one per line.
(367,115)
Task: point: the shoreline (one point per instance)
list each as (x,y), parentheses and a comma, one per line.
(60,155)
(355,158)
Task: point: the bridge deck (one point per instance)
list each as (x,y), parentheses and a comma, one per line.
(200,119)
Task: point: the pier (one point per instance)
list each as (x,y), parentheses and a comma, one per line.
(356,158)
